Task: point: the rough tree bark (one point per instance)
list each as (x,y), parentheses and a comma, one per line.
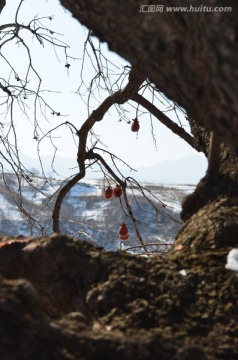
(191,57)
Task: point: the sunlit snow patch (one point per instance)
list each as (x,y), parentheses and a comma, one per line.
(232,260)
(183,272)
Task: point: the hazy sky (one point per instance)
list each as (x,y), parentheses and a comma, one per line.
(116,135)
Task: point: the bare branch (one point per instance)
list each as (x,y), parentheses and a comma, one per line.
(165,120)
(62,193)
(119,97)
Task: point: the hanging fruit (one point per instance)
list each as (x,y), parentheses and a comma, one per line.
(117,192)
(135,126)
(123,230)
(126,237)
(108,192)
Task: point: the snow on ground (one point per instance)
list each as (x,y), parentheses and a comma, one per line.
(187,189)
(33,195)
(8,211)
(97,212)
(176,207)
(232,260)
(83,189)
(85,211)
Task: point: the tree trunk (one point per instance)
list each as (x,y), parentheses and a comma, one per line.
(210,215)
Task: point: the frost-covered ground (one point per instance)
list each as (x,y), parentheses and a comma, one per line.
(87,214)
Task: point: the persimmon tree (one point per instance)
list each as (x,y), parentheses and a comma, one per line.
(129,87)
(191,57)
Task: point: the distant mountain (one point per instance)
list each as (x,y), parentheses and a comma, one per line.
(188,170)
(63,166)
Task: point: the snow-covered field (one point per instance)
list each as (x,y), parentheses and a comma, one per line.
(87,214)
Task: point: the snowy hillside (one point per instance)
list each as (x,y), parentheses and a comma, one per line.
(87,214)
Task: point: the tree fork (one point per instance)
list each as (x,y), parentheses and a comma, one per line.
(121,96)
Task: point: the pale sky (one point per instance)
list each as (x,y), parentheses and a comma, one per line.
(116,135)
